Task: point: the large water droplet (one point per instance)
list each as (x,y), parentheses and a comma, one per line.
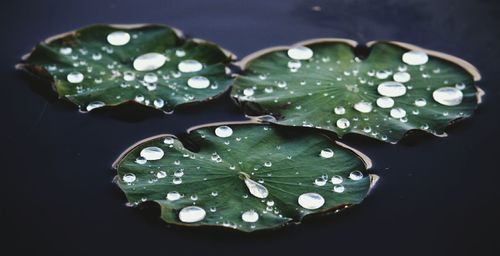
(326,153)
(152,153)
(391,89)
(398,113)
(75,77)
(385,102)
(198,82)
(300,53)
(94,105)
(149,61)
(223,131)
(415,57)
(192,214)
(448,96)
(343,123)
(401,77)
(188,66)
(173,196)
(256,189)
(129,177)
(118,38)
(363,106)
(250,216)
(311,201)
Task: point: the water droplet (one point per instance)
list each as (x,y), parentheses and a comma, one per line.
(118,38)
(391,89)
(128,76)
(336,179)
(250,216)
(194,197)
(177,180)
(420,102)
(188,66)
(326,153)
(152,153)
(129,178)
(401,77)
(159,103)
(294,64)
(448,96)
(248,92)
(415,57)
(198,82)
(96,56)
(363,106)
(384,74)
(300,53)
(270,203)
(149,61)
(141,160)
(338,188)
(179,173)
(385,102)
(214,193)
(460,86)
(75,77)
(320,182)
(168,140)
(311,201)
(256,189)
(192,214)
(223,131)
(65,50)
(343,123)
(398,113)
(95,104)
(339,110)
(268,164)
(161,174)
(356,175)
(173,196)
(150,78)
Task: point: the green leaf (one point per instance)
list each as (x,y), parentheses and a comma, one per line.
(246,176)
(101,65)
(324,84)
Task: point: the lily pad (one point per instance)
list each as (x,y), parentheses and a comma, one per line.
(326,84)
(246,176)
(107,65)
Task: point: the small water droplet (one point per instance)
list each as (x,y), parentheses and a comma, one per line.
(149,61)
(188,66)
(311,201)
(248,92)
(128,76)
(158,103)
(336,179)
(391,89)
(140,160)
(385,102)
(96,56)
(415,57)
(66,50)
(94,105)
(268,164)
(152,153)
(177,180)
(223,131)
(343,123)
(173,196)
(198,82)
(161,174)
(294,64)
(356,175)
(118,38)
(326,153)
(129,178)
(398,113)
(460,86)
(320,181)
(420,102)
(250,216)
(338,188)
(448,96)
(339,110)
(168,140)
(191,214)
(401,77)
(363,107)
(150,78)
(75,77)
(300,53)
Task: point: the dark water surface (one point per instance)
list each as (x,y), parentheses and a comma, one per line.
(437,196)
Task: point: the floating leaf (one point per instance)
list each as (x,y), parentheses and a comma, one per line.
(153,65)
(325,84)
(245,176)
